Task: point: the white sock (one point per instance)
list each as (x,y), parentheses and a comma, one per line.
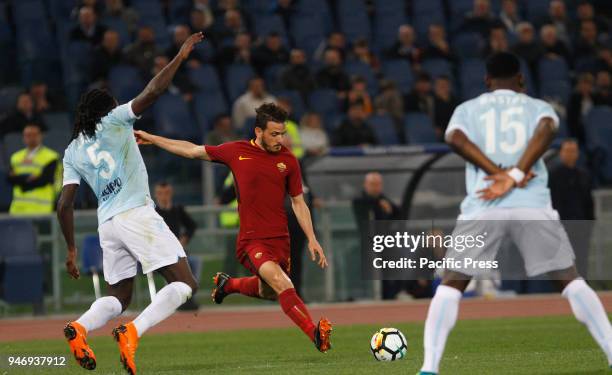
(101,311)
(163,305)
(588,310)
(441,318)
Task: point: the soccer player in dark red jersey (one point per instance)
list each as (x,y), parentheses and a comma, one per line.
(264,172)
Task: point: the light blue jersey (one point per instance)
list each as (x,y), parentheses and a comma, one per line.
(501,123)
(110,163)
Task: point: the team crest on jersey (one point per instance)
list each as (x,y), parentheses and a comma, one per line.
(258,255)
(281,167)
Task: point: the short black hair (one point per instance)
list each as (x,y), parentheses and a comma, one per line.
(503,65)
(269,112)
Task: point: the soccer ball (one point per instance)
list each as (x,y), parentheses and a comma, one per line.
(388,344)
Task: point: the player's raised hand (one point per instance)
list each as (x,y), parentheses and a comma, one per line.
(142,137)
(71,264)
(187,46)
(501,184)
(315,250)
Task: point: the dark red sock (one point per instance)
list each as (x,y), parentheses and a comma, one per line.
(295,309)
(247,286)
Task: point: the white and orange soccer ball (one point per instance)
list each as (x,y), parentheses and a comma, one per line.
(388,344)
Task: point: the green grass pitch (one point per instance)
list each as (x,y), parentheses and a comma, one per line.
(555,345)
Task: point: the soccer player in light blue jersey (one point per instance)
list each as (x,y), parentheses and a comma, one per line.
(104,153)
(502,135)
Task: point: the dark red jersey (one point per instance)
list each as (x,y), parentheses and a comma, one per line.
(262,180)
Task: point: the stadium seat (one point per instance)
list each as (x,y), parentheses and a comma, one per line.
(8,97)
(206,51)
(386,25)
(179,12)
(419,128)
(598,131)
(536,10)
(119,25)
(385,130)
(468,45)
(28,11)
(359,68)
(173,119)
(272,76)
(91,260)
(205,78)
(318,9)
(297,102)
(57,140)
(307,31)
(437,68)
(558,91)
(13,142)
(354,21)
(208,105)
(237,78)
(265,24)
(22,235)
(23,279)
(400,72)
(59,121)
(471,78)
(552,69)
(324,102)
(125,82)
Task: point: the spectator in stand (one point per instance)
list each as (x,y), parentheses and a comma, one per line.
(335,40)
(271,52)
(200,20)
(314,138)
(444,105)
(551,46)
(557,16)
(297,76)
(437,45)
(498,41)
(43,100)
(604,59)
(23,114)
(580,103)
(332,75)
(420,99)
(359,94)
(571,195)
(233,24)
(180,35)
(405,47)
(587,44)
(480,19)
(586,12)
(361,52)
(142,52)
(285,9)
(106,56)
(224,6)
(238,53)
(222,132)
(244,106)
(527,48)
(181,84)
(88,29)
(603,88)
(354,130)
(390,101)
(116,9)
(97,7)
(204,7)
(509,16)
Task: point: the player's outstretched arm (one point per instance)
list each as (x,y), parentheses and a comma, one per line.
(156,87)
(302,213)
(461,144)
(181,148)
(65,215)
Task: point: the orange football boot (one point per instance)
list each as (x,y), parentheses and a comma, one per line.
(322,339)
(127,339)
(77,339)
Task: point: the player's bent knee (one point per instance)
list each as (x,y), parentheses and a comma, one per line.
(184,290)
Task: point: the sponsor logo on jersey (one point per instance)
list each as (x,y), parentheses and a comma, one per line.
(111,189)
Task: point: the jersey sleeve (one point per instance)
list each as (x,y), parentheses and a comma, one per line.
(123,115)
(294,179)
(459,121)
(71,176)
(543,110)
(222,153)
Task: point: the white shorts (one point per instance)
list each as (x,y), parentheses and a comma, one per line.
(137,235)
(536,232)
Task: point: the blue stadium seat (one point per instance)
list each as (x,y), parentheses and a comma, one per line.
(536,10)
(385,130)
(468,45)
(237,78)
(437,68)
(205,50)
(558,91)
(471,78)
(22,238)
(272,76)
(297,103)
(57,139)
(419,128)
(119,25)
(316,8)
(354,21)
(205,78)
(125,82)
(598,131)
(209,104)
(179,11)
(58,121)
(265,24)
(8,97)
(458,10)
(35,41)
(400,72)
(173,119)
(13,142)
(324,102)
(27,11)
(92,261)
(23,278)
(386,25)
(61,9)
(307,31)
(77,61)
(359,68)
(552,69)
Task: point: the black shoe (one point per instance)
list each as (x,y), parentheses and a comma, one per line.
(218,294)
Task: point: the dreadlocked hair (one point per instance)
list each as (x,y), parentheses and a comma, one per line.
(92,106)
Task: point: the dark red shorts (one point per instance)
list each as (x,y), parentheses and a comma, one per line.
(253,253)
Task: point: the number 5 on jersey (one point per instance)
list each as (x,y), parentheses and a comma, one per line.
(98,158)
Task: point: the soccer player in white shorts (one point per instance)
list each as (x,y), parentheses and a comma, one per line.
(104,153)
(505,127)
